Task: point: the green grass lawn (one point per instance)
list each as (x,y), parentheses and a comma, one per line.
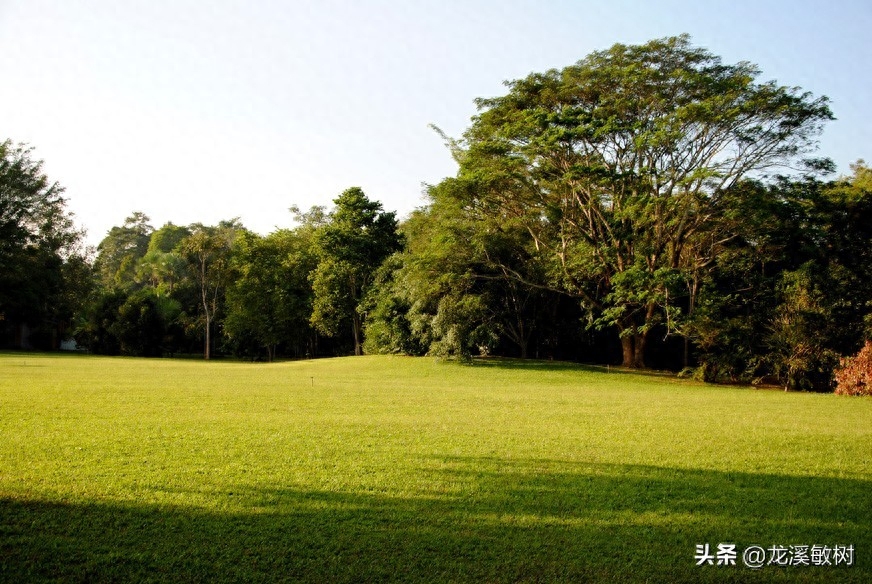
(408,469)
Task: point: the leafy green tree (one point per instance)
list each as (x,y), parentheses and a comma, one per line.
(351,245)
(141,323)
(614,165)
(799,356)
(207,250)
(99,331)
(388,329)
(43,266)
(119,253)
(846,209)
(436,296)
(791,292)
(862,177)
(269,299)
(466,285)
(167,238)
(462,278)
(163,267)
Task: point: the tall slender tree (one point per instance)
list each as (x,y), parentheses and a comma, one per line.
(208,252)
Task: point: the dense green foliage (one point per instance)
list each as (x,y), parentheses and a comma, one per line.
(270,297)
(615,167)
(44,275)
(400,469)
(626,209)
(351,245)
(228,290)
(792,292)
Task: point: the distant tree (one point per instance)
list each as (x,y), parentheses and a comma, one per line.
(862,176)
(455,280)
(615,165)
(44,274)
(167,238)
(269,298)
(98,331)
(163,267)
(468,284)
(388,328)
(119,253)
(309,220)
(799,355)
(141,323)
(846,210)
(357,237)
(207,251)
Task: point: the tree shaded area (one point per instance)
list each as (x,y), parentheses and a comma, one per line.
(791,291)
(525,520)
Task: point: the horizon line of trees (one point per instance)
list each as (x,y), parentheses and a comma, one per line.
(625,210)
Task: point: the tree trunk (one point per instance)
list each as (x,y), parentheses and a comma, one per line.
(355,327)
(633,350)
(640,341)
(693,287)
(207,349)
(628,351)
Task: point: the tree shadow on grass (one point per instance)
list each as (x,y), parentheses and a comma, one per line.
(482,520)
(552,366)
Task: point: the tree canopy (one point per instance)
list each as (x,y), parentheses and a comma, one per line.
(649,205)
(43,270)
(354,241)
(615,166)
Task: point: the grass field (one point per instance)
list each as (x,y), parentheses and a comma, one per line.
(404,469)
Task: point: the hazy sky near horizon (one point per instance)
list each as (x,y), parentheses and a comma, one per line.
(201,111)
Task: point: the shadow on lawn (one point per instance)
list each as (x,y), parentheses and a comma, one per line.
(552,366)
(506,521)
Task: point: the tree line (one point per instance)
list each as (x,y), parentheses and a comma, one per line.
(648,206)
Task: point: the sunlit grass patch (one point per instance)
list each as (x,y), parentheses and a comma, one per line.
(410,469)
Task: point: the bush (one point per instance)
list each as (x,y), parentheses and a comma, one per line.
(854,375)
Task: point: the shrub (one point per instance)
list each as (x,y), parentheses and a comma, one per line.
(854,375)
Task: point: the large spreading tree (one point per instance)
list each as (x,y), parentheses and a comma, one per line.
(615,167)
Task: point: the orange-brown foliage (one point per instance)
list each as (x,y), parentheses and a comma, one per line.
(854,375)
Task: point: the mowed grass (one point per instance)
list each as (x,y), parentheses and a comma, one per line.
(405,469)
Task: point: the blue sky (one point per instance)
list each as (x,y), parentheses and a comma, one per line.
(201,111)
